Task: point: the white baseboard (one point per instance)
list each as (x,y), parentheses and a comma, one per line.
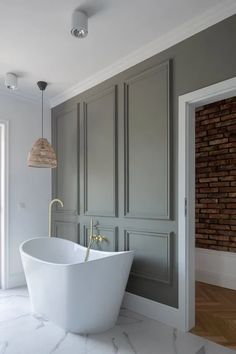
(154,310)
(15,280)
(216,268)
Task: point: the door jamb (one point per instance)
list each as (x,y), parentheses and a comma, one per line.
(186,191)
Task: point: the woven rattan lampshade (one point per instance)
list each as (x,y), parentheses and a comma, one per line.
(42,154)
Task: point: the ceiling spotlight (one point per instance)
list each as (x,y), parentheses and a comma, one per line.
(79,24)
(11,81)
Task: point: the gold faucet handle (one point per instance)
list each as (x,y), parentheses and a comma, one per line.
(99,238)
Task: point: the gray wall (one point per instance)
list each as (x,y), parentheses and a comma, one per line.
(131,214)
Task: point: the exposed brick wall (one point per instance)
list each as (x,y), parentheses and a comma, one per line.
(216,176)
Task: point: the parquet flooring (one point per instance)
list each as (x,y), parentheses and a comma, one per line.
(216,314)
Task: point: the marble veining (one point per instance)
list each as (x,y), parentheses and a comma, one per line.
(59,342)
(22,333)
(115,346)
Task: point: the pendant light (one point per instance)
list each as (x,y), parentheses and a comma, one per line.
(42,154)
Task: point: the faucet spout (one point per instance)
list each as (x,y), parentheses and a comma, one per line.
(56,200)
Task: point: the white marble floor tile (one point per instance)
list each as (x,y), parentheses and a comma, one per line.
(22,333)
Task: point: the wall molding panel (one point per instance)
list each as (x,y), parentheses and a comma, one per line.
(163,264)
(67,115)
(109,176)
(140,133)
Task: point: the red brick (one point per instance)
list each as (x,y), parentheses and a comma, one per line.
(220,227)
(225,123)
(201,164)
(201,236)
(208,232)
(218,206)
(219,238)
(209,110)
(200,133)
(228,145)
(218,173)
(209,200)
(228,178)
(209,211)
(219,184)
(217,152)
(227,200)
(208,179)
(209,190)
(231,206)
(229,117)
(216,176)
(218,141)
(202,144)
(232,195)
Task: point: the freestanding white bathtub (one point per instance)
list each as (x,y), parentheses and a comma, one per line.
(81,297)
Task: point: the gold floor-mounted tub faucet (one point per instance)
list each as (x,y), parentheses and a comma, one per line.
(98,238)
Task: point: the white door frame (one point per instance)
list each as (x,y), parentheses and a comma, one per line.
(4,204)
(186,191)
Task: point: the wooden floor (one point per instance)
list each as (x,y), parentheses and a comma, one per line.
(216,314)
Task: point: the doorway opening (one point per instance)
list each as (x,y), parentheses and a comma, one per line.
(188,103)
(215,221)
(4,203)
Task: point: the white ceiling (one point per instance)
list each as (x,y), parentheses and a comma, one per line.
(36,44)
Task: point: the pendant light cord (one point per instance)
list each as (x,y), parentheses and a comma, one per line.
(42,113)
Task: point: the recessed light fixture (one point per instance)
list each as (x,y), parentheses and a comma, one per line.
(11,81)
(79,24)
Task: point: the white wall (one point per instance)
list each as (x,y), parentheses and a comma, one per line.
(216,267)
(29,188)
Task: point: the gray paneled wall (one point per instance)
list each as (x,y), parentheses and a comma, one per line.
(120,162)
(128,209)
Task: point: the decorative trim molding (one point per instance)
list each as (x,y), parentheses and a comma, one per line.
(186,30)
(55,172)
(146,73)
(154,310)
(87,212)
(143,274)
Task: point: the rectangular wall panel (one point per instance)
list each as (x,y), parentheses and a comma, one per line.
(147,172)
(110,233)
(100,154)
(66,230)
(152,259)
(65,175)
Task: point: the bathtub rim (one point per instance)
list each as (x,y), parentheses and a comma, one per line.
(106,254)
